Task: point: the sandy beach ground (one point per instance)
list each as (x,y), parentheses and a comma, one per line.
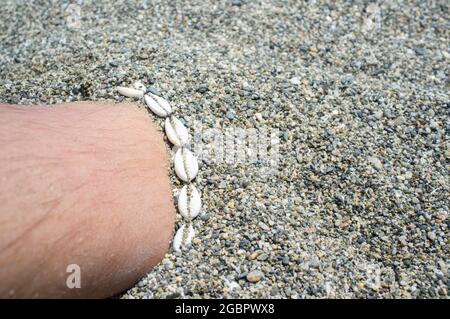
(357,92)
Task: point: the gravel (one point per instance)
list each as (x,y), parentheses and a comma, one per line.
(359,93)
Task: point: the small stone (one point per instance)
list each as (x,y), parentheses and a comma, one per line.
(255,96)
(420,51)
(378,114)
(263,257)
(205,217)
(154,90)
(75,90)
(402,240)
(203,88)
(173,295)
(285,260)
(375,161)
(230,115)
(254,276)
(253,255)
(434,124)
(408,175)
(314,263)
(288,291)
(399,121)
(188,123)
(431,235)
(241,275)
(114,64)
(295,81)
(236,3)
(250,105)
(168,265)
(213,179)
(274,291)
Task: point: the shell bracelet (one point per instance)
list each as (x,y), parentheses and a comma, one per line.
(186,164)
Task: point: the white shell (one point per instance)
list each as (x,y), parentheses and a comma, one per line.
(182,239)
(130,92)
(189,207)
(158,105)
(186,165)
(176,132)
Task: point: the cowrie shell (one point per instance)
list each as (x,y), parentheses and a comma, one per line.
(186,165)
(130,92)
(176,132)
(158,105)
(183,237)
(189,202)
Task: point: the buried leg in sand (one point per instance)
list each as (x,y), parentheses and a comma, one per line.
(86,206)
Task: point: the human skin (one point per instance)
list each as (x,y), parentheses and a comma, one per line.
(80,183)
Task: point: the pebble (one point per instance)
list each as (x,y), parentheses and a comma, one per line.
(275,291)
(253,255)
(154,90)
(259,117)
(203,88)
(230,115)
(263,257)
(75,90)
(242,275)
(378,114)
(173,295)
(375,161)
(420,51)
(431,235)
(295,81)
(254,276)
